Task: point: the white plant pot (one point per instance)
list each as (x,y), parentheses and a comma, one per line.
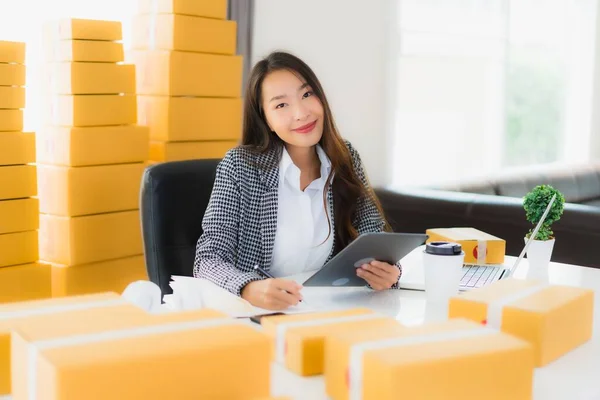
(539,254)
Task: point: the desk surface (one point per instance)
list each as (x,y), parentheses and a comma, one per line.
(575,376)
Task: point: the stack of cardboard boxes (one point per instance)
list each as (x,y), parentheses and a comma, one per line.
(188,78)
(21,278)
(91,157)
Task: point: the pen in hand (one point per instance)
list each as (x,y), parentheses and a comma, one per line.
(266,274)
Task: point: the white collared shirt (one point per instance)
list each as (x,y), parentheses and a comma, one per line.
(302,224)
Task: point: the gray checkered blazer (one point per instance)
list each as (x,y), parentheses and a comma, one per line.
(240,221)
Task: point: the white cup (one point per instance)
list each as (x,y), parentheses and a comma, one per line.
(442,264)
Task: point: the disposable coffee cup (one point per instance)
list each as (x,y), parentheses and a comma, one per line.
(442,264)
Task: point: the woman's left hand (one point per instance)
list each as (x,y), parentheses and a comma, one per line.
(379,275)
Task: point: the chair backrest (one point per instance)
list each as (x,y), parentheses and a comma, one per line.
(174,196)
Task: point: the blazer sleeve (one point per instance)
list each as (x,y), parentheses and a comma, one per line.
(368,218)
(216,250)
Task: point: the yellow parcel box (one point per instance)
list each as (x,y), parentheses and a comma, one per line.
(84,50)
(86,29)
(456,359)
(77,317)
(178,151)
(93,110)
(12,314)
(299,340)
(82,240)
(17,148)
(17,181)
(75,191)
(12,52)
(111,275)
(18,248)
(24,282)
(12,97)
(84,146)
(180,119)
(185,33)
(91,78)
(19,215)
(11,120)
(180,73)
(109,363)
(12,74)
(337,354)
(205,8)
(479,247)
(554,319)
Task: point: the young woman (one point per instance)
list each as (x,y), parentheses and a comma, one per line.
(290,197)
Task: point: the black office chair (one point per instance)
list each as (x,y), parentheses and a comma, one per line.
(174,196)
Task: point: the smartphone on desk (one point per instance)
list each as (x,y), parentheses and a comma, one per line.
(257,318)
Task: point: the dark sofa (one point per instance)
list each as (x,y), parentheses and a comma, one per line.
(494,205)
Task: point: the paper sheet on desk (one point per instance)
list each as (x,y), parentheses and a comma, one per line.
(194,293)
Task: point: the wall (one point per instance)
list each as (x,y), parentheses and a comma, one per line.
(346,43)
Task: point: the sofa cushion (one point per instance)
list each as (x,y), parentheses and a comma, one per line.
(579,183)
(595,203)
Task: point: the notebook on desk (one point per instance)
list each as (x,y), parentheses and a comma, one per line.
(194,293)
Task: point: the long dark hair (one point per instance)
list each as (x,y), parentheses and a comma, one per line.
(257,136)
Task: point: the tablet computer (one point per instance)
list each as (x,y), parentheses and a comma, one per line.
(381,246)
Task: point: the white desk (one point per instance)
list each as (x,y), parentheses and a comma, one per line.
(575,376)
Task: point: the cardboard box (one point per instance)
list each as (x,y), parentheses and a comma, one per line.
(17,148)
(179,73)
(456,359)
(19,215)
(12,74)
(17,181)
(84,51)
(337,354)
(112,275)
(76,191)
(18,248)
(91,78)
(479,247)
(11,120)
(12,97)
(299,340)
(24,282)
(12,52)
(93,238)
(554,319)
(84,146)
(93,110)
(110,362)
(206,8)
(12,314)
(177,151)
(185,33)
(179,119)
(86,29)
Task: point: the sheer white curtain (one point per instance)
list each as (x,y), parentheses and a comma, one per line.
(485,85)
(450,91)
(23,20)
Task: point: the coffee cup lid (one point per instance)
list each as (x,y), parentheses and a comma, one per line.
(443,248)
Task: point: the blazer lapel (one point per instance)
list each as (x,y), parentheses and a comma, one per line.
(332,217)
(269,173)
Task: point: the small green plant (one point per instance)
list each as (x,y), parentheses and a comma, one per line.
(535,203)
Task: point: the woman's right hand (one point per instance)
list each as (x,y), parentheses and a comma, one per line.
(272,294)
